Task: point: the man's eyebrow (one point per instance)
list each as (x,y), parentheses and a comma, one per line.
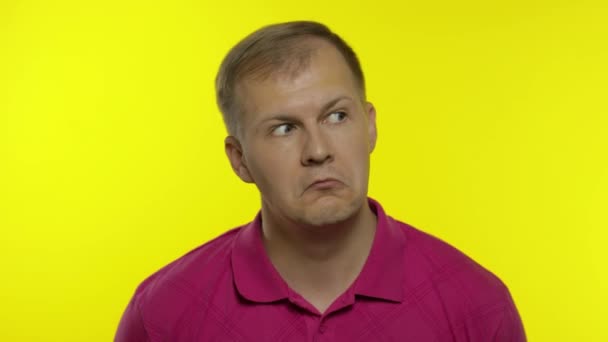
(333,102)
(326,107)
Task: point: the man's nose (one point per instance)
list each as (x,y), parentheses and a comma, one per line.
(317,149)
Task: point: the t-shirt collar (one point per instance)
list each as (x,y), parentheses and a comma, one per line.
(257,280)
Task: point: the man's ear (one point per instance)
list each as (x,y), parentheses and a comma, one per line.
(234,152)
(371,122)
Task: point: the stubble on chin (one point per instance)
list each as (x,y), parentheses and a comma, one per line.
(323,214)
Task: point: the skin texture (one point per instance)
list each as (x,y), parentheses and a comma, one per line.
(305,142)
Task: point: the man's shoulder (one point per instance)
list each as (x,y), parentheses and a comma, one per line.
(452,274)
(191,272)
(466,300)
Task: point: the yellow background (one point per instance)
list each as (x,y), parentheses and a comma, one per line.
(492,135)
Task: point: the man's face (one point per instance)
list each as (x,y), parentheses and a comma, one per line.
(305,141)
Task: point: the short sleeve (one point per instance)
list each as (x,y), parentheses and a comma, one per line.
(131,327)
(499,322)
(510,327)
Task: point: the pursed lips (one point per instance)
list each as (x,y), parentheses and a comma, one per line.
(324,183)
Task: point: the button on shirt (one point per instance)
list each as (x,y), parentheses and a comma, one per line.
(413,287)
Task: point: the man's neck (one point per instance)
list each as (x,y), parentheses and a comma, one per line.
(320,262)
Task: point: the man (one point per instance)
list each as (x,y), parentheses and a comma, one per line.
(321,261)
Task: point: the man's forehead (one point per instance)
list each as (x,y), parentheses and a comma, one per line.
(286,92)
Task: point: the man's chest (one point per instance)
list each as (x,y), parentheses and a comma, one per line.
(288,322)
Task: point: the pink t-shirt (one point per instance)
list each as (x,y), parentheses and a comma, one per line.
(413,287)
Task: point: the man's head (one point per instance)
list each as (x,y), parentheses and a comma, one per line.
(293,98)
(273,49)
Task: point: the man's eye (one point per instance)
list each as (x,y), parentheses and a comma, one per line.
(283,129)
(336,117)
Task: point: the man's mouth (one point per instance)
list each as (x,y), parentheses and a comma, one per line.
(325,184)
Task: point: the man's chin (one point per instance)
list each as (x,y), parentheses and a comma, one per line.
(329,212)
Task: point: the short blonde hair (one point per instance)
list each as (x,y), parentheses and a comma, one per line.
(271,49)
